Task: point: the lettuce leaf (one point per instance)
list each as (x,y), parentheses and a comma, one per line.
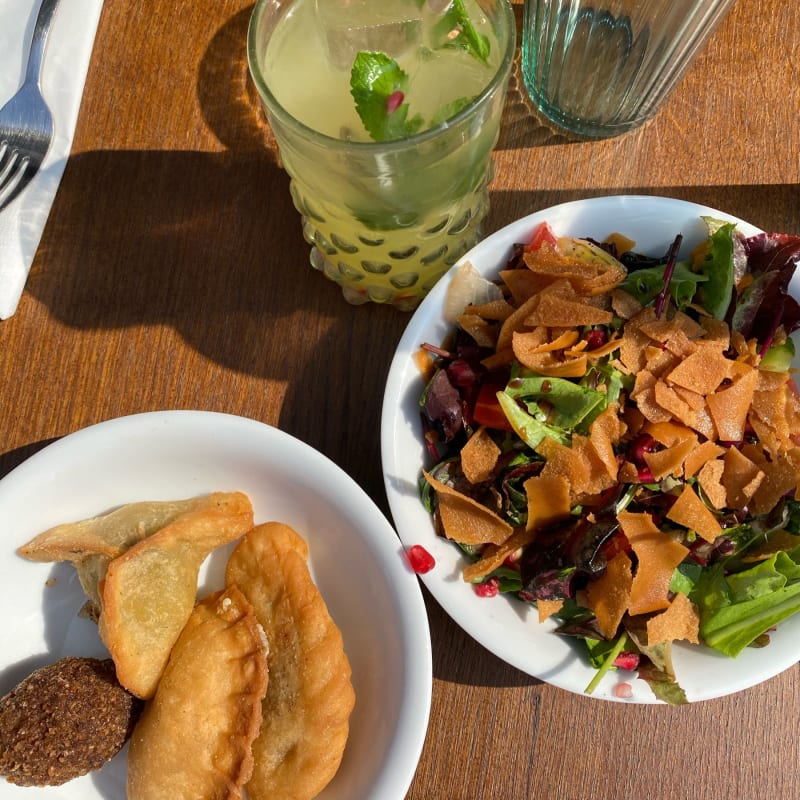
(646,284)
(765,302)
(717,266)
(573,406)
(736,609)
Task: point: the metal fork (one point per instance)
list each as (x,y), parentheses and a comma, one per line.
(26,124)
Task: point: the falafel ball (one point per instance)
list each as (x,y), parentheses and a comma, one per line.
(64,720)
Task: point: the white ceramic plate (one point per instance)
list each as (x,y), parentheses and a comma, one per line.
(355,557)
(508,628)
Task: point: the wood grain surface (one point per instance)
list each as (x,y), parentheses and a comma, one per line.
(172,274)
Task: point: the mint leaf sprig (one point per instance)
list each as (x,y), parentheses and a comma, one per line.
(456,29)
(379,85)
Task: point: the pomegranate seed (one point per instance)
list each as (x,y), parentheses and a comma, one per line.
(623,691)
(643,443)
(420,559)
(595,338)
(394,101)
(627,660)
(489,588)
(645,475)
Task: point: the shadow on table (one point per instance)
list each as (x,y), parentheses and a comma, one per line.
(13,458)
(209,244)
(458,658)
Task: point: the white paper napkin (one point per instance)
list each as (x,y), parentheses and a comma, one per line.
(66,61)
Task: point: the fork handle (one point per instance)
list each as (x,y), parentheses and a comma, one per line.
(47,9)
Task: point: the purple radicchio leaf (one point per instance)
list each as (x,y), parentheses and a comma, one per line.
(765,303)
(562,553)
(443,406)
(672,258)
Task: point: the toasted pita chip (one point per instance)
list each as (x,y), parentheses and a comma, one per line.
(149,591)
(658,555)
(703,371)
(704,452)
(91,543)
(195,736)
(609,595)
(740,478)
(548,500)
(669,461)
(479,456)
(310,697)
(690,511)
(465,520)
(493,555)
(709,479)
(546,608)
(729,407)
(680,621)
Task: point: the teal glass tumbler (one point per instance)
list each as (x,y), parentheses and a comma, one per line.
(599,68)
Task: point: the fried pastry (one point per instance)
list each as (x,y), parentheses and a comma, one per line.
(310,696)
(195,736)
(90,544)
(149,591)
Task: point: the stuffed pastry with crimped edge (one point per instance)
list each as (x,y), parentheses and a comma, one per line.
(194,739)
(90,544)
(310,696)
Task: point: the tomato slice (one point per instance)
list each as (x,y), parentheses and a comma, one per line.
(487,409)
(543,233)
(617,544)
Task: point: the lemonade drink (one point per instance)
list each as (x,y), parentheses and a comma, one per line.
(390,177)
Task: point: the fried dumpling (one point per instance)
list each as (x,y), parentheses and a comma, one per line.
(149,591)
(194,739)
(91,543)
(310,695)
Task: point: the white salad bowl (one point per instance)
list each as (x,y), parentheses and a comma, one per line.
(355,558)
(505,626)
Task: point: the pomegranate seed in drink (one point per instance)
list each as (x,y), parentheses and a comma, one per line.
(394,101)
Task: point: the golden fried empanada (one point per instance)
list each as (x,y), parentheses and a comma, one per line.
(195,736)
(310,697)
(150,590)
(91,543)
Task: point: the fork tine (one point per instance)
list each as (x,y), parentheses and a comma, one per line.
(6,164)
(14,177)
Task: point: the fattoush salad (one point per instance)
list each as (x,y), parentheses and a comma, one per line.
(615,438)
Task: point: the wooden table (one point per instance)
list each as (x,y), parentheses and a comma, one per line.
(172,274)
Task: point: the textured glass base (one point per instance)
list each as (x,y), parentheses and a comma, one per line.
(582,126)
(398,266)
